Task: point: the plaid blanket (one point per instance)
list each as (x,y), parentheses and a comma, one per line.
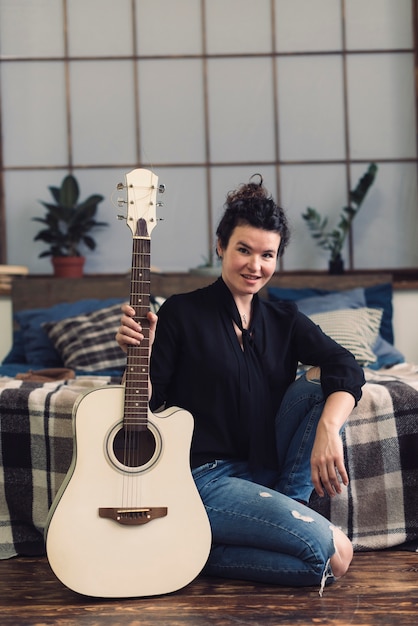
(35,454)
(379,509)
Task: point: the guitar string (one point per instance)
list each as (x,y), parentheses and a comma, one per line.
(143,282)
(135,436)
(131,432)
(128,502)
(138,290)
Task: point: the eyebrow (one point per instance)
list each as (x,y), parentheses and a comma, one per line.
(246,245)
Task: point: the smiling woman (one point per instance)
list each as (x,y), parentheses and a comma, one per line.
(257,431)
(249,243)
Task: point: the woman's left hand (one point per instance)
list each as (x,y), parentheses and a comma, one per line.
(327,461)
(327,458)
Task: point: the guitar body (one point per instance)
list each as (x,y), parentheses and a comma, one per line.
(89,549)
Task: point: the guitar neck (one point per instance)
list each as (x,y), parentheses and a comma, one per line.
(142,187)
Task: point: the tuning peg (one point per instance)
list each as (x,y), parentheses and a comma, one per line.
(120,186)
(121,202)
(160,204)
(161,188)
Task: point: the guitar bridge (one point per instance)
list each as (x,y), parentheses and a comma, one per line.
(133,516)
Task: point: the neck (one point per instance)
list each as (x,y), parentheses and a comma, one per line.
(244,310)
(245,320)
(243,302)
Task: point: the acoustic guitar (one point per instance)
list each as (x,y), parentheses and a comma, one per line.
(128,520)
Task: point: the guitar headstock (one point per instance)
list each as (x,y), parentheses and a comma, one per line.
(142,188)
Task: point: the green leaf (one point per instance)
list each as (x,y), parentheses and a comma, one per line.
(334,240)
(91,201)
(69,191)
(89,241)
(68,223)
(55,191)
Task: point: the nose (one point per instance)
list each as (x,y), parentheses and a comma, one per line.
(254,262)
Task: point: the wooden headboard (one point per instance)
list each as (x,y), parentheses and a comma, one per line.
(33,291)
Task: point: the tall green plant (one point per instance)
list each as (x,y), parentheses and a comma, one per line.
(333,240)
(68,223)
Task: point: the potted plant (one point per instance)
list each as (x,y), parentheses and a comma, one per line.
(68,224)
(334,240)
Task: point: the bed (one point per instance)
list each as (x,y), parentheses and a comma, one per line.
(64,346)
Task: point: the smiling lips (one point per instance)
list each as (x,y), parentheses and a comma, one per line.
(250,277)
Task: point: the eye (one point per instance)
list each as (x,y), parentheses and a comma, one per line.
(243,250)
(268,255)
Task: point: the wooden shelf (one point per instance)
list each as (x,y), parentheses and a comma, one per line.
(42,290)
(7,273)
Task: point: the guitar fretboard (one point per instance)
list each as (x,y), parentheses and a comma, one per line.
(137,370)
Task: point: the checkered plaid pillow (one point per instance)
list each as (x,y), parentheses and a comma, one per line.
(87,342)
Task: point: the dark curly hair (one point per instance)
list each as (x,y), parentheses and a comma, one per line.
(251,204)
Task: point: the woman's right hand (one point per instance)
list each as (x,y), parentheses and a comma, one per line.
(130,332)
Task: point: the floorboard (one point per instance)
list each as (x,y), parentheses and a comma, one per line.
(380,588)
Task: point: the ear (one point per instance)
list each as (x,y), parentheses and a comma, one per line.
(219,250)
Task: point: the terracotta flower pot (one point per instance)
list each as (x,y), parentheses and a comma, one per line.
(68,266)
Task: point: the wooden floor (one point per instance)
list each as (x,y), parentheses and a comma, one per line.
(380,588)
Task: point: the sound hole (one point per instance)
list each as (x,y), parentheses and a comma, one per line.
(134,448)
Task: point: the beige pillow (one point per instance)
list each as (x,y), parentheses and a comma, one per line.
(354,329)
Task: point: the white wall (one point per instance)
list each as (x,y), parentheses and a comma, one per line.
(405,323)
(207,100)
(6,326)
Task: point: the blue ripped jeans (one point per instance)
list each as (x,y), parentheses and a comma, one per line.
(259,531)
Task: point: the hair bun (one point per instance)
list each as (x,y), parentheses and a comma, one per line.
(260,184)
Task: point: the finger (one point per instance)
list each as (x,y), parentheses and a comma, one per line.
(125,337)
(337,475)
(153,319)
(127,309)
(316,481)
(342,472)
(129,325)
(328,479)
(333,478)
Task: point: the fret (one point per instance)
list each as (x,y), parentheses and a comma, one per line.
(137,360)
(138,376)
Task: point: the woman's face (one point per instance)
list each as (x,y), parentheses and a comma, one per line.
(249,260)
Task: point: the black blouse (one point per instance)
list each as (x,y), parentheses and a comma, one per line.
(197,364)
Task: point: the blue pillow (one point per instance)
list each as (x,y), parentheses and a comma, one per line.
(17,351)
(350,299)
(380,297)
(288,293)
(38,348)
(377,297)
(387,355)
